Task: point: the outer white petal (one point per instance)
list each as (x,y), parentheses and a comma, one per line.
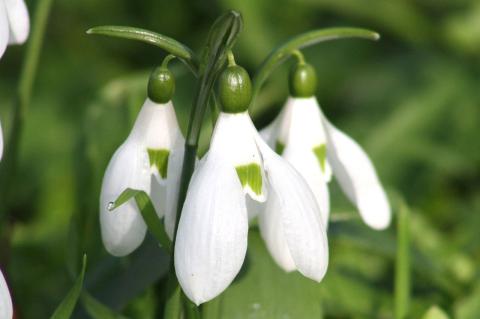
(357,177)
(123,229)
(211,241)
(174,174)
(19,21)
(304,232)
(234,136)
(305,162)
(4,28)
(6,308)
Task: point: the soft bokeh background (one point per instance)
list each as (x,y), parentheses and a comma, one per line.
(411,99)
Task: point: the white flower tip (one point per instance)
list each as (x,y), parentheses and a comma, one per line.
(376,212)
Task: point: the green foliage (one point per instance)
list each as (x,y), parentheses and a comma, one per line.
(66,307)
(154,224)
(411,100)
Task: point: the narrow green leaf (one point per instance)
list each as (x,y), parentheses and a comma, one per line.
(435,313)
(65,309)
(283,52)
(97,310)
(154,224)
(220,39)
(168,44)
(402,265)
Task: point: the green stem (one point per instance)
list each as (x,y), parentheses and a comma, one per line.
(22,101)
(402,265)
(221,38)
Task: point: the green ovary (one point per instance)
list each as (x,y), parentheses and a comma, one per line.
(159,158)
(320,152)
(251,175)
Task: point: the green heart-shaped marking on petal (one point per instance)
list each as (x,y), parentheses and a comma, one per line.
(320,152)
(159,158)
(251,175)
(279,147)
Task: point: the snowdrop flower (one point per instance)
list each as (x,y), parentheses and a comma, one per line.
(6,308)
(14,23)
(303,136)
(211,240)
(150,160)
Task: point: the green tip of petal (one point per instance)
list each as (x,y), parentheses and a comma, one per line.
(159,159)
(250,175)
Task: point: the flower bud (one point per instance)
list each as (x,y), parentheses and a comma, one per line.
(235,89)
(302,80)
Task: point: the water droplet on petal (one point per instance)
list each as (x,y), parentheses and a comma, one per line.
(111,206)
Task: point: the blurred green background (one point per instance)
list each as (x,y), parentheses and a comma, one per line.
(411,99)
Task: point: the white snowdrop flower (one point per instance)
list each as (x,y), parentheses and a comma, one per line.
(6,308)
(14,23)
(211,240)
(317,149)
(149,160)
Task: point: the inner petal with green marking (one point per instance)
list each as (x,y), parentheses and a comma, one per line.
(159,159)
(251,175)
(320,152)
(279,147)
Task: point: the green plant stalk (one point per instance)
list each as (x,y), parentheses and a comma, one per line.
(221,38)
(402,264)
(22,101)
(291,46)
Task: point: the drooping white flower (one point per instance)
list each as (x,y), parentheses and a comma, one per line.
(211,240)
(6,308)
(14,23)
(148,161)
(316,148)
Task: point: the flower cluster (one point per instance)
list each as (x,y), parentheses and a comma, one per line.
(279,176)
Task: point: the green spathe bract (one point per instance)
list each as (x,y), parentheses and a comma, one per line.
(250,175)
(235,89)
(159,159)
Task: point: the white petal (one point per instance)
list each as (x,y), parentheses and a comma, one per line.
(305,162)
(304,232)
(156,125)
(234,136)
(270,223)
(19,21)
(212,234)
(175,163)
(4,28)
(357,177)
(305,130)
(123,229)
(6,308)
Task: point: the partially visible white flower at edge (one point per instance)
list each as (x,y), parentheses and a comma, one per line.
(303,136)
(150,159)
(211,241)
(6,308)
(14,28)
(14,23)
